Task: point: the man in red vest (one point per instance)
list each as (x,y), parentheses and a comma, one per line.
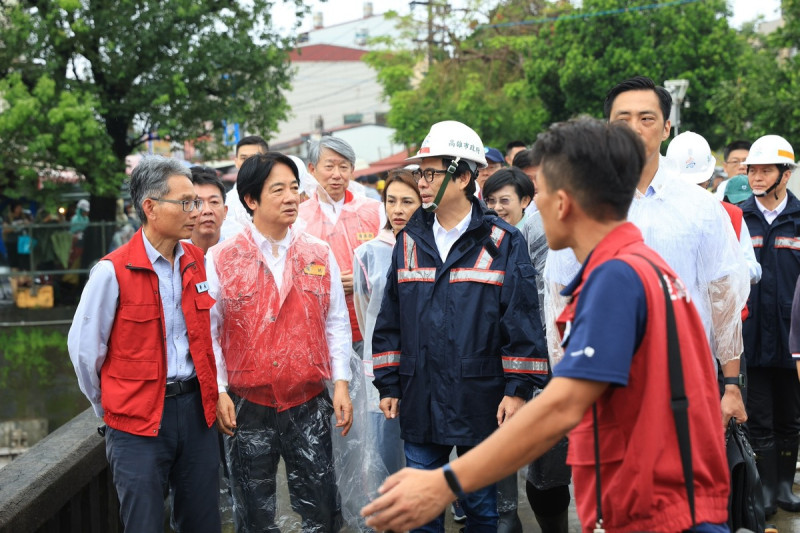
(337,216)
(611,391)
(141,346)
(280,331)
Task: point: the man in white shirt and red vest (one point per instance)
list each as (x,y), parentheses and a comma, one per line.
(280,331)
(337,216)
(142,351)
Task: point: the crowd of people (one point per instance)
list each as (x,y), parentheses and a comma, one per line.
(579,307)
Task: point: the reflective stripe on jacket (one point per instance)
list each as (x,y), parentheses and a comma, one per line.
(452,338)
(777,249)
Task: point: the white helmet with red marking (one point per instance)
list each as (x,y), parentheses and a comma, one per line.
(454,140)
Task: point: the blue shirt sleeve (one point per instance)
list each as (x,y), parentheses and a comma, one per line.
(608,326)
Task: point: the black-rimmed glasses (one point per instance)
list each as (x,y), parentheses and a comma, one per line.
(428,173)
(188,205)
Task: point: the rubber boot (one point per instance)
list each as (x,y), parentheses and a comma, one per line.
(509,522)
(766,461)
(787,464)
(554,524)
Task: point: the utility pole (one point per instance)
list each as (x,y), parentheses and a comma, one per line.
(430,5)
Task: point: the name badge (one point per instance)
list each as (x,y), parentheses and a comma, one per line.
(315,270)
(365,236)
(202,287)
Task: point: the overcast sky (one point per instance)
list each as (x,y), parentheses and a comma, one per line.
(337,11)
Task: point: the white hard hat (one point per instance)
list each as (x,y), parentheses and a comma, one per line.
(770,149)
(692,154)
(83,205)
(452,139)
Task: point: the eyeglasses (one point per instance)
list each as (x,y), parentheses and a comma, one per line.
(428,173)
(188,205)
(735,161)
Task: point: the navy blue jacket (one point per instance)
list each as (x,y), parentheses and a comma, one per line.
(777,248)
(453,338)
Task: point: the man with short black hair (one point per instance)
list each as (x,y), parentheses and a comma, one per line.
(457,346)
(280,331)
(512,149)
(684,224)
(237,215)
(734,165)
(209,188)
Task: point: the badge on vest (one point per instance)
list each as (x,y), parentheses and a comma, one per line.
(365,236)
(315,270)
(202,287)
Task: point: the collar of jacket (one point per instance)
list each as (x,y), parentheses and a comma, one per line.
(792,207)
(420,227)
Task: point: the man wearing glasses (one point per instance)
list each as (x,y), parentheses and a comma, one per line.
(458,345)
(735,154)
(141,346)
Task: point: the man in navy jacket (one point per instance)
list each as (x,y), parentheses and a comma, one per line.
(772,215)
(458,344)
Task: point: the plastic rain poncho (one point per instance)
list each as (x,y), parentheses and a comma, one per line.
(689,228)
(370,269)
(344,227)
(533,232)
(280,341)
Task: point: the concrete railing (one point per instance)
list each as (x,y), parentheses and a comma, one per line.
(62,484)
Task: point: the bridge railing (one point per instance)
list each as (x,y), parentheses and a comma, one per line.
(61,484)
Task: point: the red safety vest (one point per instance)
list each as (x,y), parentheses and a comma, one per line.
(640,466)
(737,217)
(273,341)
(134,374)
(358,223)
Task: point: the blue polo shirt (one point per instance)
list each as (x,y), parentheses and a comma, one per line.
(608,326)
(607,329)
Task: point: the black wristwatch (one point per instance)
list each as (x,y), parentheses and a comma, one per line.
(739,381)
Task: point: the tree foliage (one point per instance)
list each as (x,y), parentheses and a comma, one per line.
(177,68)
(510,81)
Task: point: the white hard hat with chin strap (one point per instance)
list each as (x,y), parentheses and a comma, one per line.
(771,150)
(452,140)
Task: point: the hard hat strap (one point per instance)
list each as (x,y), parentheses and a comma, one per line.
(433,206)
(772,188)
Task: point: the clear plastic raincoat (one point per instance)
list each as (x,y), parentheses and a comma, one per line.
(281,337)
(344,227)
(688,227)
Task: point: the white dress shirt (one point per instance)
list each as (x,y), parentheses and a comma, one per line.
(337,324)
(446,239)
(236,217)
(770,216)
(689,228)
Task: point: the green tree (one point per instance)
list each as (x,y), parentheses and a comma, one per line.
(773,82)
(478,79)
(174,67)
(541,62)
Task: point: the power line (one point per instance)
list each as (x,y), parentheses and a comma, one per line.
(592,14)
